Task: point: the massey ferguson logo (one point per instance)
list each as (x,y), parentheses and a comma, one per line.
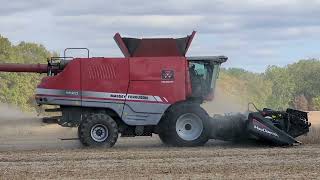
(167,75)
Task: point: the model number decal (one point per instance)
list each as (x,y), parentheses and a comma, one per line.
(72,93)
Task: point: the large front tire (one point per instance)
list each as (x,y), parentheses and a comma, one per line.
(98,130)
(184,124)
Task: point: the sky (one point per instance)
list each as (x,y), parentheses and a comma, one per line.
(252,33)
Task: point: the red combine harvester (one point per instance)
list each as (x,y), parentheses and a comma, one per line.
(155,88)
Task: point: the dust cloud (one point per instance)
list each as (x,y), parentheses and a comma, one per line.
(13,121)
(228,117)
(19,130)
(223,103)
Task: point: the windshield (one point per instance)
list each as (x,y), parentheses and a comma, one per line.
(215,75)
(203,75)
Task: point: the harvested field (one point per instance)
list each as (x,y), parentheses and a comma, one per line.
(146,158)
(33,150)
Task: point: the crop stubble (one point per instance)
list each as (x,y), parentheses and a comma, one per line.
(28,151)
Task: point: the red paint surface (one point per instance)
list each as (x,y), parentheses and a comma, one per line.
(117,37)
(155,47)
(145,77)
(138,73)
(68,79)
(112,75)
(105,75)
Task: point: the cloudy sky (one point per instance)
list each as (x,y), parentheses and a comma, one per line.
(252,33)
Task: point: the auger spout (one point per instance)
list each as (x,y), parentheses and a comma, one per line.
(31,68)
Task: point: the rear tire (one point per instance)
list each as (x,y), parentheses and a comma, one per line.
(184,124)
(98,130)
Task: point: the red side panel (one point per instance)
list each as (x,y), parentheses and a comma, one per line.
(105,75)
(146,77)
(68,79)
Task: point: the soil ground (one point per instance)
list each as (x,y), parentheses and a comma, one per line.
(146,158)
(31,150)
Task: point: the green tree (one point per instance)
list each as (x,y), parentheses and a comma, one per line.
(306,75)
(282,87)
(18,88)
(316,102)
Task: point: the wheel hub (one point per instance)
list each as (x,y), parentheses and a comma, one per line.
(189,127)
(99,132)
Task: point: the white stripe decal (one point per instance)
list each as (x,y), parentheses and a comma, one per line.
(141,97)
(158,98)
(94,94)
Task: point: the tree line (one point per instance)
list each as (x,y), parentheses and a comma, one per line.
(296,85)
(18,88)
